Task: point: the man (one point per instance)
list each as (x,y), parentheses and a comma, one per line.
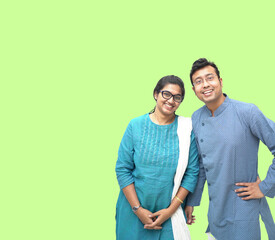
(228,134)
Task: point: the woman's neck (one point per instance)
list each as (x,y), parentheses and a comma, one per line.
(162,119)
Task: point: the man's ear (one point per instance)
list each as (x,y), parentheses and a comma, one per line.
(193,89)
(221,82)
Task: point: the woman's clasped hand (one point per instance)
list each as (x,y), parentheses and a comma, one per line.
(158,218)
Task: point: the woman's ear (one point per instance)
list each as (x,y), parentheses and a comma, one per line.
(155,96)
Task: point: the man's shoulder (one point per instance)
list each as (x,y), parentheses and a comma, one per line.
(242,106)
(197,113)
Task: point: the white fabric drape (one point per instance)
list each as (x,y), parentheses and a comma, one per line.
(180,229)
(210,237)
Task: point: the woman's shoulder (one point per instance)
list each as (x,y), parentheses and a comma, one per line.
(140,119)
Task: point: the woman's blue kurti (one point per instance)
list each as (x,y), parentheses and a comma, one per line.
(148,157)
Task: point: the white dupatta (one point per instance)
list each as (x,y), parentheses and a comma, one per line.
(180,229)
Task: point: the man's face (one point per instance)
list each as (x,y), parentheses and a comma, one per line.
(207,85)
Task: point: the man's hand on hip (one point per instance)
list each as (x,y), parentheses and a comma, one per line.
(250,190)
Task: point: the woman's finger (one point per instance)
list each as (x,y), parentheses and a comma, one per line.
(152,228)
(154,224)
(153,215)
(157,228)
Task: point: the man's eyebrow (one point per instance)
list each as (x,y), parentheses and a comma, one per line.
(209,74)
(200,77)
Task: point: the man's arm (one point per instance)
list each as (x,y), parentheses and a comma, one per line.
(264,129)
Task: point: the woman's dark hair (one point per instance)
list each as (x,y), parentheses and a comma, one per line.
(201,63)
(170,79)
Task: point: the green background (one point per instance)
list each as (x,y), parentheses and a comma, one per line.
(74,73)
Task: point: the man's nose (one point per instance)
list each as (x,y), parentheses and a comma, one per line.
(205,83)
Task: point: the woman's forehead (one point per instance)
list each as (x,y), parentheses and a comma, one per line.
(173,88)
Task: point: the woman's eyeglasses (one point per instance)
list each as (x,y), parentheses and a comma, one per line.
(167,95)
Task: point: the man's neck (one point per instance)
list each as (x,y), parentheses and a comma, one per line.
(213,106)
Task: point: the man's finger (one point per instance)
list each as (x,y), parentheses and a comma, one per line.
(247,198)
(243,194)
(243,184)
(189,217)
(241,190)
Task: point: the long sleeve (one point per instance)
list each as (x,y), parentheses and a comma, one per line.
(190,176)
(264,129)
(125,163)
(194,199)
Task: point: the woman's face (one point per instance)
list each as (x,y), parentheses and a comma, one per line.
(168,106)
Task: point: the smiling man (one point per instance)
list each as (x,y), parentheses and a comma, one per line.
(228,134)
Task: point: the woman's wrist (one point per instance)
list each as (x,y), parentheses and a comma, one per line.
(171,209)
(176,202)
(138,210)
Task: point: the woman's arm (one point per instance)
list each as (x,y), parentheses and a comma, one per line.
(190,177)
(125,163)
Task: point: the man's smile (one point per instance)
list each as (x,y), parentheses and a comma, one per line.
(207,92)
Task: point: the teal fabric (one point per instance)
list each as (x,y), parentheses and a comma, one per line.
(148,157)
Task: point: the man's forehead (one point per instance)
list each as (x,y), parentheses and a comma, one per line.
(203,72)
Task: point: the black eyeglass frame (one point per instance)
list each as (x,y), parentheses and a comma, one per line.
(172,95)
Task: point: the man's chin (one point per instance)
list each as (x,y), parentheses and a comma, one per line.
(209,99)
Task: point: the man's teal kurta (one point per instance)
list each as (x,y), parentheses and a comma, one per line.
(228,146)
(148,157)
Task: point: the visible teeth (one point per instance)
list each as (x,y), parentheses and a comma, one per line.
(168,104)
(208,91)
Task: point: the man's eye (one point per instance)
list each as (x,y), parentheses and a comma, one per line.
(198,82)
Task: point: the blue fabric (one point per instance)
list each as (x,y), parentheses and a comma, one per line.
(228,145)
(148,157)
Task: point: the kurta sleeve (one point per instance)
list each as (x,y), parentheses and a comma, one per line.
(125,162)
(264,129)
(190,176)
(194,199)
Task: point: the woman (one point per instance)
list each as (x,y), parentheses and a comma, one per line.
(157,167)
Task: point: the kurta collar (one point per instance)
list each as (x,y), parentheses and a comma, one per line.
(221,108)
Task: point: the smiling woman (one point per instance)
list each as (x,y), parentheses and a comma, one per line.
(157,167)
